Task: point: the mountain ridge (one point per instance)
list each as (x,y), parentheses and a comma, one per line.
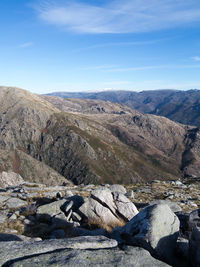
(92,141)
(173,104)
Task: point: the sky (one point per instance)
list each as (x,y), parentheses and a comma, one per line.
(89,45)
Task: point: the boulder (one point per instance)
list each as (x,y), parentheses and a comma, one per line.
(10,179)
(95,213)
(15,203)
(105,197)
(13,250)
(173,205)
(124,207)
(131,257)
(117,188)
(51,209)
(156,229)
(112,208)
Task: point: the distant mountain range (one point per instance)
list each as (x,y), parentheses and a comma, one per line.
(50,139)
(179,106)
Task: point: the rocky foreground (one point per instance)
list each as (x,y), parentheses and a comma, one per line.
(152,224)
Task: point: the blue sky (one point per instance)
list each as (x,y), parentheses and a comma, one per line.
(79,45)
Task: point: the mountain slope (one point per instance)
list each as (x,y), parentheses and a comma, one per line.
(172,104)
(92,141)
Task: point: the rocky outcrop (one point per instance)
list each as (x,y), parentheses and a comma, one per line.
(110,223)
(10,179)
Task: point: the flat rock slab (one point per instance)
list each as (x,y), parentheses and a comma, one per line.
(13,250)
(14,203)
(131,257)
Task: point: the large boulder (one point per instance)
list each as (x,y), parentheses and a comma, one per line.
(13,250)
(111,208)
(97,214)
(75,254)
(156,229)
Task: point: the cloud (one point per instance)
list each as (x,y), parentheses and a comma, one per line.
(196,58)
(25,45)
(119,16)
(100,67)
(116,44)
(151,67)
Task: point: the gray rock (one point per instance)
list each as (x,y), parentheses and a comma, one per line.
(194,219)
(96,213)
(13,217)
(52,208)
(3,198)
(173,205)
(146,190)
(155,228)
(68,206)
(15,203)
(117,188)
(194,247)
(105,197)
(68,216)
(131,257)
(125,207)
(76,217)
(10,179)
(13,250)
(3,217)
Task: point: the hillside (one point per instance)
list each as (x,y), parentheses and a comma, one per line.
(172,104)
(92,141)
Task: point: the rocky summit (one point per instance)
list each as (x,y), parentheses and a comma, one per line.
(107,225)
(93,183)
(51,140)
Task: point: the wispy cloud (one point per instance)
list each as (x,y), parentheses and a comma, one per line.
(119,16)
(116,44)
(25,45)
(100,67)
(196,58)
(152,67)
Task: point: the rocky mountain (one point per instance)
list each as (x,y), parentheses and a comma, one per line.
(100,225)
(91,141)
(173,104)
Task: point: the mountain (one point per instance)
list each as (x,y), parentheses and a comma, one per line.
(173,104)
(91,141)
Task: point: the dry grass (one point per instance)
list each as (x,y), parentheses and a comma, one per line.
(13,224)
(99,224)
